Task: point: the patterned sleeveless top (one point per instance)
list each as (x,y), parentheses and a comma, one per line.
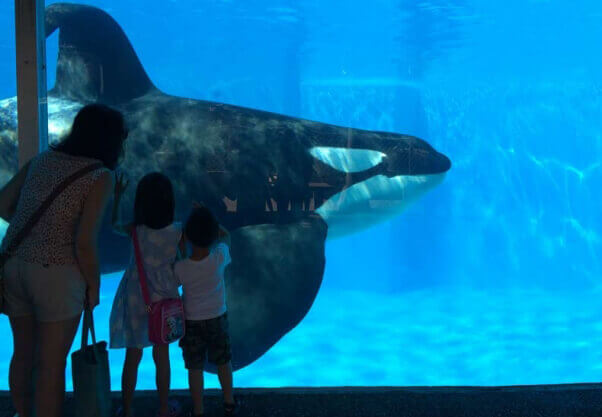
(52,240)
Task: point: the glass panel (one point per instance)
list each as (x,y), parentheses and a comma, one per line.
(431,276)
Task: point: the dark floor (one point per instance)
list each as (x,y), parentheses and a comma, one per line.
(544,401)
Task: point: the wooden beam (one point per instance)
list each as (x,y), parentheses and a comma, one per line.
(32,102)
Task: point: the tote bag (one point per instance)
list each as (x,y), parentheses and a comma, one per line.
(91,377)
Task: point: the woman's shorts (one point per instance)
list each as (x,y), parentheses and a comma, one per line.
(206,339)
(49,293)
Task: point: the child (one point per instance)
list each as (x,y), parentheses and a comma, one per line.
(159,238)
(202,278)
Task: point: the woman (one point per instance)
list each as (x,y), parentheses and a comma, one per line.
(55,271)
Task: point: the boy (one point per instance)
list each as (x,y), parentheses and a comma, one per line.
(202,278)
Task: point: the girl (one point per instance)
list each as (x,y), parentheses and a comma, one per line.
(159,238)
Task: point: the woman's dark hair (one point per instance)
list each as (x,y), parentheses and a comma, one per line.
(98,132)
(155,204)
(202,228)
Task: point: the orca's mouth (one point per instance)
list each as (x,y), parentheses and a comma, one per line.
(376,199)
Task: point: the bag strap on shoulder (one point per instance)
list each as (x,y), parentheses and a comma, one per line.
(37,215)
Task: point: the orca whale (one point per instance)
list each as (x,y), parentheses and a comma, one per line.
(280,184)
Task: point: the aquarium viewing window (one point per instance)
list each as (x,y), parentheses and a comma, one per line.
(478,263)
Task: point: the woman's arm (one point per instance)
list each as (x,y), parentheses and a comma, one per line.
(86,240)
(118,227)
(9,194)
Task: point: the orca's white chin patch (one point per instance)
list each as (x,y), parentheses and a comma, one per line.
(370,202)
(374,201)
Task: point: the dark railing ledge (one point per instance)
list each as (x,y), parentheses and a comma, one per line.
(565,400)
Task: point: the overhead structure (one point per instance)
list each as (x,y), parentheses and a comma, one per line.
(31,78)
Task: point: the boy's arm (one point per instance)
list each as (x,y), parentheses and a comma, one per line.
(182,250)
(224,235)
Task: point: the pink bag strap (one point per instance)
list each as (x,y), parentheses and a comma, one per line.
(141,271)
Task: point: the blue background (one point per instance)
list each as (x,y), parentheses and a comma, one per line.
(493,277)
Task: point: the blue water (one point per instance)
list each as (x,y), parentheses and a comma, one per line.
(493,278)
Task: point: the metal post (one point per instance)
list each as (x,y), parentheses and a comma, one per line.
(32,102)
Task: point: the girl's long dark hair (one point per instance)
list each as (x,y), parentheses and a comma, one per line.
(155,204)
(98,132)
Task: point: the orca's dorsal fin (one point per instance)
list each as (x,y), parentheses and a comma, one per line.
(96,60)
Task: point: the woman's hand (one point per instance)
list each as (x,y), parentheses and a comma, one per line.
(121,184)
(92,297)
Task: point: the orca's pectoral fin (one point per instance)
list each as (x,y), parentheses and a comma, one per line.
(274,277)
(96,60)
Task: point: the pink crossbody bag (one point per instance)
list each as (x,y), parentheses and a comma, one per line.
(166,320)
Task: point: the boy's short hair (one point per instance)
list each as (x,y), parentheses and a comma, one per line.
(202,228)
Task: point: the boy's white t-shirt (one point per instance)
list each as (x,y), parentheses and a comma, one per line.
(204,292)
